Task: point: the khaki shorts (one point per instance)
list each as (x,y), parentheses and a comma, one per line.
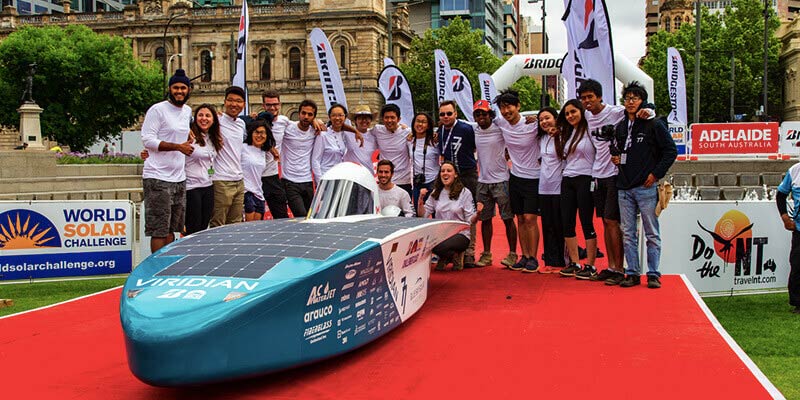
(164,207)
(494,193)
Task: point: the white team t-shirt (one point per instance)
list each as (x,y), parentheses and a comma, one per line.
(396,197)
(329,149)
(296,157)
(552,167)
(580,161)
(228,163)
(198,164)
(427,158)
(361,154)
(165,122)
(253,163)
(460,209)
(278,127)
(522,146)
(610,115)
(491,149)
(393,147)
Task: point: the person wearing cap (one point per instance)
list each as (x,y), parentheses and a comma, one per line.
(356,152)
(228,177)
(165,134)
(492,185)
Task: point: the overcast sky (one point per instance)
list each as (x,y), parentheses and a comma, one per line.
(627,25)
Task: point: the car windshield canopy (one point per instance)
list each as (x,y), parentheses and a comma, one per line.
(339,197)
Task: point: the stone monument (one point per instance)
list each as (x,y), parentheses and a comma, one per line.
(30,128)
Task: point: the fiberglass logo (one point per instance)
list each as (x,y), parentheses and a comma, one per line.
(26,229)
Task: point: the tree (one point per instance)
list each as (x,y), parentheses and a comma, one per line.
(465,50)
(89,85)
(739,32)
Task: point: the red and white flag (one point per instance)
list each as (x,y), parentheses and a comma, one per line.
(462,92)
(442,71)
(590,53)
(395,89)
(488,90)
(328,68)
(240,77)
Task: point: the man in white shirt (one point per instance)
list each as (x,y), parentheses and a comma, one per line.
(492,185)
(357,152)
(228,177)
(392,143)
(391,194)
(523,186)
(274,194)
(165,130)
(298,144)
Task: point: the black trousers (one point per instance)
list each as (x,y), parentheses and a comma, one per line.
(794,272)
(275,196)
(454,244)
(552,231)
(469,177)
(576,196)
(298,196)
(199,207)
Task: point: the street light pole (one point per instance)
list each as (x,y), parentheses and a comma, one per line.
(544,100)
(696,105)
(172,17)
(733,84)
(766,44)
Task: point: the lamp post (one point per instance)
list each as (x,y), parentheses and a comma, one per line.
(696,105)
(172,17)
(766,44)
(545,97)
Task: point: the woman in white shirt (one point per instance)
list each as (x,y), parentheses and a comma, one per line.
(425,155)
(199,168)
(552,167)
(329,146)
(449,200)
(259,140)
(578,152)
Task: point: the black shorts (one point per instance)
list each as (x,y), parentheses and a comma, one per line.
(606,198)
(524,195)
(253,204)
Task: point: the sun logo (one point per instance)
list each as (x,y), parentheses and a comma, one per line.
(26,229)
(731,226)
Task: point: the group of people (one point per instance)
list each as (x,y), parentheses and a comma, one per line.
(560,167)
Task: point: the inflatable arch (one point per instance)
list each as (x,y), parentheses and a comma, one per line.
(550,64)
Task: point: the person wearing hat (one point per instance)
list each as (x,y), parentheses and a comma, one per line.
(228,176)
(492,188)
(361,153)
(165,134)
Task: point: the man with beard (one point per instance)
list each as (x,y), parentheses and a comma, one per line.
(270,181)
(604,174)
(390,194)
(298,144)
(165,130)
(228,176)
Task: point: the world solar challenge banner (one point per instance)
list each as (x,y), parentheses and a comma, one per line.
(47,239)
(724,246)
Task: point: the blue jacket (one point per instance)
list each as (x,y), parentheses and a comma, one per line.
(458,145)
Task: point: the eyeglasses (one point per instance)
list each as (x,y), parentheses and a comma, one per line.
(631,99)
(447,113)
(270,105)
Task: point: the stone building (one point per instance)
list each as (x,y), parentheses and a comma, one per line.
(182,34)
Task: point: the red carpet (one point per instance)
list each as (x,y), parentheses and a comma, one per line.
(487,333)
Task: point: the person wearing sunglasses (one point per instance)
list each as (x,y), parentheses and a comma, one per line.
(457,145)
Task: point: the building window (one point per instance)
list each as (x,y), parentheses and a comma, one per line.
(161,56)
(205,66)
(667,25)
(266,64)
(678,21)
(294,63)
(342,59)
(452,6)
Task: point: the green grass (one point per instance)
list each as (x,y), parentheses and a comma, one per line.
(765,329)
(28,296)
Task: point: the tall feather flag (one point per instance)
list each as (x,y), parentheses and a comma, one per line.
(590,53)
(442,71)
(240,77)
(676,84)
(462,91)
(488,90)
(328,68)
(395,90)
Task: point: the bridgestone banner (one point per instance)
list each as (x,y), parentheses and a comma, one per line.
(395,90)
(240,77)
(441,71)
(676,86)
(462,92)
(590,53)
(328,68)
(488,90)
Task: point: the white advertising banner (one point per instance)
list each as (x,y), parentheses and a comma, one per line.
(442,72)
(790,138)
(328,68)
(461,88)
(488,90)
(676,85)
(724,246)
(590,53)
(47,239)
(395,90)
